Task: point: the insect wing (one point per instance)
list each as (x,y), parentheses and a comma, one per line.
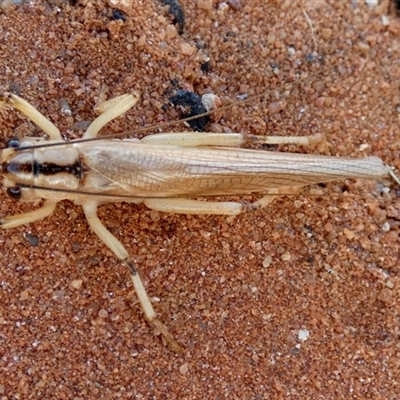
(171,171)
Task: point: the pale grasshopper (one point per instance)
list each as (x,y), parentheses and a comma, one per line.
(164,171)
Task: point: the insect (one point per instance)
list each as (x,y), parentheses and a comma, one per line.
(164,171)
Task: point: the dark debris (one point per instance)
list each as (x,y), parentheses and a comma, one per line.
(190,105)
(176,10)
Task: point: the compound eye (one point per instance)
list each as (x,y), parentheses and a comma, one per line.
(14,192)
(13,144)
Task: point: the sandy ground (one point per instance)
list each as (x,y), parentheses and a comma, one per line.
(297,301)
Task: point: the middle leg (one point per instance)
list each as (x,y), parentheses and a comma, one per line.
(119,250)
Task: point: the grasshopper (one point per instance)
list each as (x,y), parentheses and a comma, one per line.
(164,171)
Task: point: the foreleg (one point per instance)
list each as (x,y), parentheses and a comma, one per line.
(34,115)
(13,221)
